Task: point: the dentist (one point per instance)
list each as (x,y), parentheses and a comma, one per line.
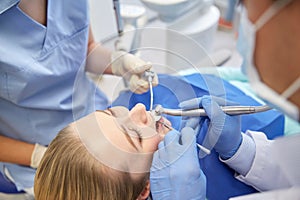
(270,35)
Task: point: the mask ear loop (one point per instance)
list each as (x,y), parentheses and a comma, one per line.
(291,89)
(263,19)
(270,12)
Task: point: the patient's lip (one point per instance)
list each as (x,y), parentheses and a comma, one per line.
(164,126)
(158,126)
(159,123)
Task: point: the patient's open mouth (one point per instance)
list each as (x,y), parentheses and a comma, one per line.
(163,125)
(158,125)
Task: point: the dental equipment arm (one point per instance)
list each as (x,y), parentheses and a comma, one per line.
(130,66)
(116,4)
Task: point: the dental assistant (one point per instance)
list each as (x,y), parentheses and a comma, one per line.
(271,45)
(44,47)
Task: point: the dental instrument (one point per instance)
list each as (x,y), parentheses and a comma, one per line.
(116,4)
(230,110)
(204,149)
(150,75)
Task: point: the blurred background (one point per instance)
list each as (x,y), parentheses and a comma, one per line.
(174,35)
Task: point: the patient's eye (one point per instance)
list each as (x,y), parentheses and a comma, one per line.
(138,133)
(111,112)
(118,111)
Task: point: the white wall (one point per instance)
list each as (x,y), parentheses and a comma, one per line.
(102,18)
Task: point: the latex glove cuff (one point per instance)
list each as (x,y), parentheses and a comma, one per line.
(37,155)
(117,62)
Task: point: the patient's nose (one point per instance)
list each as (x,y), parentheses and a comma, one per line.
(138,114)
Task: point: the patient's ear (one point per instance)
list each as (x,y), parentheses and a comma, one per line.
(145,193)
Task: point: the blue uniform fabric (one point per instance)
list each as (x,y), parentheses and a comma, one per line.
(43,85)
(7,4)
(171,90)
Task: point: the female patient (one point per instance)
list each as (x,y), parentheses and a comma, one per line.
(105,155)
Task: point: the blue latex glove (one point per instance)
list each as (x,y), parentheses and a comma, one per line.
(175,172)
(224,131)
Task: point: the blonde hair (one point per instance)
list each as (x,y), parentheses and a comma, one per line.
(69,172)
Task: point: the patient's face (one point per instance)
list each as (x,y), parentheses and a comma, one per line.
(131,131)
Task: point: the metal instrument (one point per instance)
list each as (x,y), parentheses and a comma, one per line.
(150,75)
(230,110)
(204,149)
(116,4)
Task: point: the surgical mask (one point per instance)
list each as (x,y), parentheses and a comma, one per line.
(7,4)
(265,92)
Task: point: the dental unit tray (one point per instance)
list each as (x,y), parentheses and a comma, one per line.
(230,110)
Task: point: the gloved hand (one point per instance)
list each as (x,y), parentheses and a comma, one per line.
(37,155)
(224,131)
(132,69)
(175,172)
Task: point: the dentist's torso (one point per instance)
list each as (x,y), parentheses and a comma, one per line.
(43,86)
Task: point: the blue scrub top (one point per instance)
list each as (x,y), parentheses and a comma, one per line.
(43,85)
(7,4)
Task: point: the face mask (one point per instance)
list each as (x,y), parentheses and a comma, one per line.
(249,30)
(6,4)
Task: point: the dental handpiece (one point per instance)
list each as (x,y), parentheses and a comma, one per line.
(230,110)
(204,149)
(198,112)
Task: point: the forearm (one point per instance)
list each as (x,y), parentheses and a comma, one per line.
(15,151)
(264,173)
(242,160)
(98,58)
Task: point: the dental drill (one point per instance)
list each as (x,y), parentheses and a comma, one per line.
(198,112)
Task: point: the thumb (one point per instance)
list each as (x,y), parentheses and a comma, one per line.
(141,67)
(188,137)
(135,65)
(138,85)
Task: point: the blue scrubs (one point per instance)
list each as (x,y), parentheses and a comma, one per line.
(43,85)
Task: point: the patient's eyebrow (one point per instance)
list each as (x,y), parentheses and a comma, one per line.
(128,137)
(105,111)
(108,112)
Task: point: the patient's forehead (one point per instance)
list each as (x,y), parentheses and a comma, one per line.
(93,131)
